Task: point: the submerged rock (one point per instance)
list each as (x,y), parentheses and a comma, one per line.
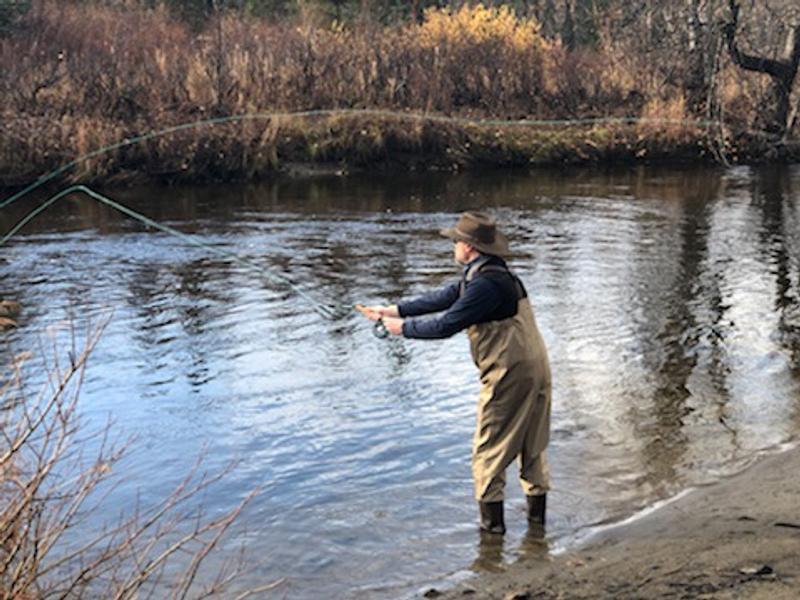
(9,308)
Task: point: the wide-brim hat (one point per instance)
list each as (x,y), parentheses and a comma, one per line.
(479,230)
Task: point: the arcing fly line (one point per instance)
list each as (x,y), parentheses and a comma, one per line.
(327,311)
(387,114)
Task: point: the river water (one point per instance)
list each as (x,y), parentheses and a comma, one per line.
(668,300)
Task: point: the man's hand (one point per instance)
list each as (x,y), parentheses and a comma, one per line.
(393,325)
(389,314)
(373,313)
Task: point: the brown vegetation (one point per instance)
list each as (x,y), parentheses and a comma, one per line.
(49,486)
(80,76)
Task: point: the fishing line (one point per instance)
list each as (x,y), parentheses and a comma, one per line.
(326,310)
(387,114)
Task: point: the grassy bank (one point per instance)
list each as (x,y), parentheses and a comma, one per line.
(258,147)
(82,76)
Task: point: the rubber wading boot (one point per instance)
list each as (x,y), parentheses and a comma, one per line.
(492,517)
(536,509)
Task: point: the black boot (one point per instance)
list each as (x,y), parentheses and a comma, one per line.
(492,517)
(536,509)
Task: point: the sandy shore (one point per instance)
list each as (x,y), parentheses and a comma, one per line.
(739,538)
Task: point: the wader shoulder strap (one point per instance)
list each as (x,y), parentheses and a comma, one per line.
(471,273)
(482,267)
(518,287)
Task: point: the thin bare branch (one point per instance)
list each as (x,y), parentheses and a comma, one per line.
(41,511)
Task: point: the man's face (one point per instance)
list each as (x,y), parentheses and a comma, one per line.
(461,252)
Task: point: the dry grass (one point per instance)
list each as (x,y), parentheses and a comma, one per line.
(666,122)
(78,76)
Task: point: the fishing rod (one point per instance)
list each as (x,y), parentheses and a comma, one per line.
(329,311)
(326,310)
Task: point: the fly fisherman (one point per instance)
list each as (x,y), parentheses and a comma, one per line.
(513,417)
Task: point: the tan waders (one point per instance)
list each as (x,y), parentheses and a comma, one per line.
(513,418)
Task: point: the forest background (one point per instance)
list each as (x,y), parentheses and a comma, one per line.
(412,84)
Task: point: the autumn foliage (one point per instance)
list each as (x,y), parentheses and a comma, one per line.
(79,76)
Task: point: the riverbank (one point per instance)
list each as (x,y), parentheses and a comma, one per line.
(250,147)
(261,146)
(475,86)
(739,538)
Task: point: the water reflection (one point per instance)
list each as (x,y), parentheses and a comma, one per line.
(668,300)
(689,310)
(773,194)
(490,554)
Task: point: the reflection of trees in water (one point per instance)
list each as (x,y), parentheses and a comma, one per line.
(683,324)
(773,193)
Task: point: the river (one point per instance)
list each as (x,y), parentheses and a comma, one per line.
(668,299)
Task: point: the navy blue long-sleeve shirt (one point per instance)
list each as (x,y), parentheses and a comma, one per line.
(484,299)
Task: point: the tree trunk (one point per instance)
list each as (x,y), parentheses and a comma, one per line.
(568,27)
(546,15)
(699,59)
(783,71)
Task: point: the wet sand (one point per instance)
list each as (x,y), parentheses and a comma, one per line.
(739,538)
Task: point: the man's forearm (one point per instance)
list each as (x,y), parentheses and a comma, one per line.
(429,303)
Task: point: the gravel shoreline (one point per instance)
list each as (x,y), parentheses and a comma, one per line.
(737,538)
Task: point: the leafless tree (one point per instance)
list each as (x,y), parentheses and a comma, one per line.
(781,70)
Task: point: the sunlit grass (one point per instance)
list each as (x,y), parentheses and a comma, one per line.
(78,76)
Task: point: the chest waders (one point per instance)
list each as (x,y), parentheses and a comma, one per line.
(513,415)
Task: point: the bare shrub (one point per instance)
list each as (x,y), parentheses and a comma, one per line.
(49,487)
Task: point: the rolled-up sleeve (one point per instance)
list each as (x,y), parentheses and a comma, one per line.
(480,299)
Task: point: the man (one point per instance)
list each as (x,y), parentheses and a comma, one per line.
(514,402)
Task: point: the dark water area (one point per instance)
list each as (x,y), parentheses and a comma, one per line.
(668,300)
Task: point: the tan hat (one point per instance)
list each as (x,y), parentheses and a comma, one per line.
(479,230)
